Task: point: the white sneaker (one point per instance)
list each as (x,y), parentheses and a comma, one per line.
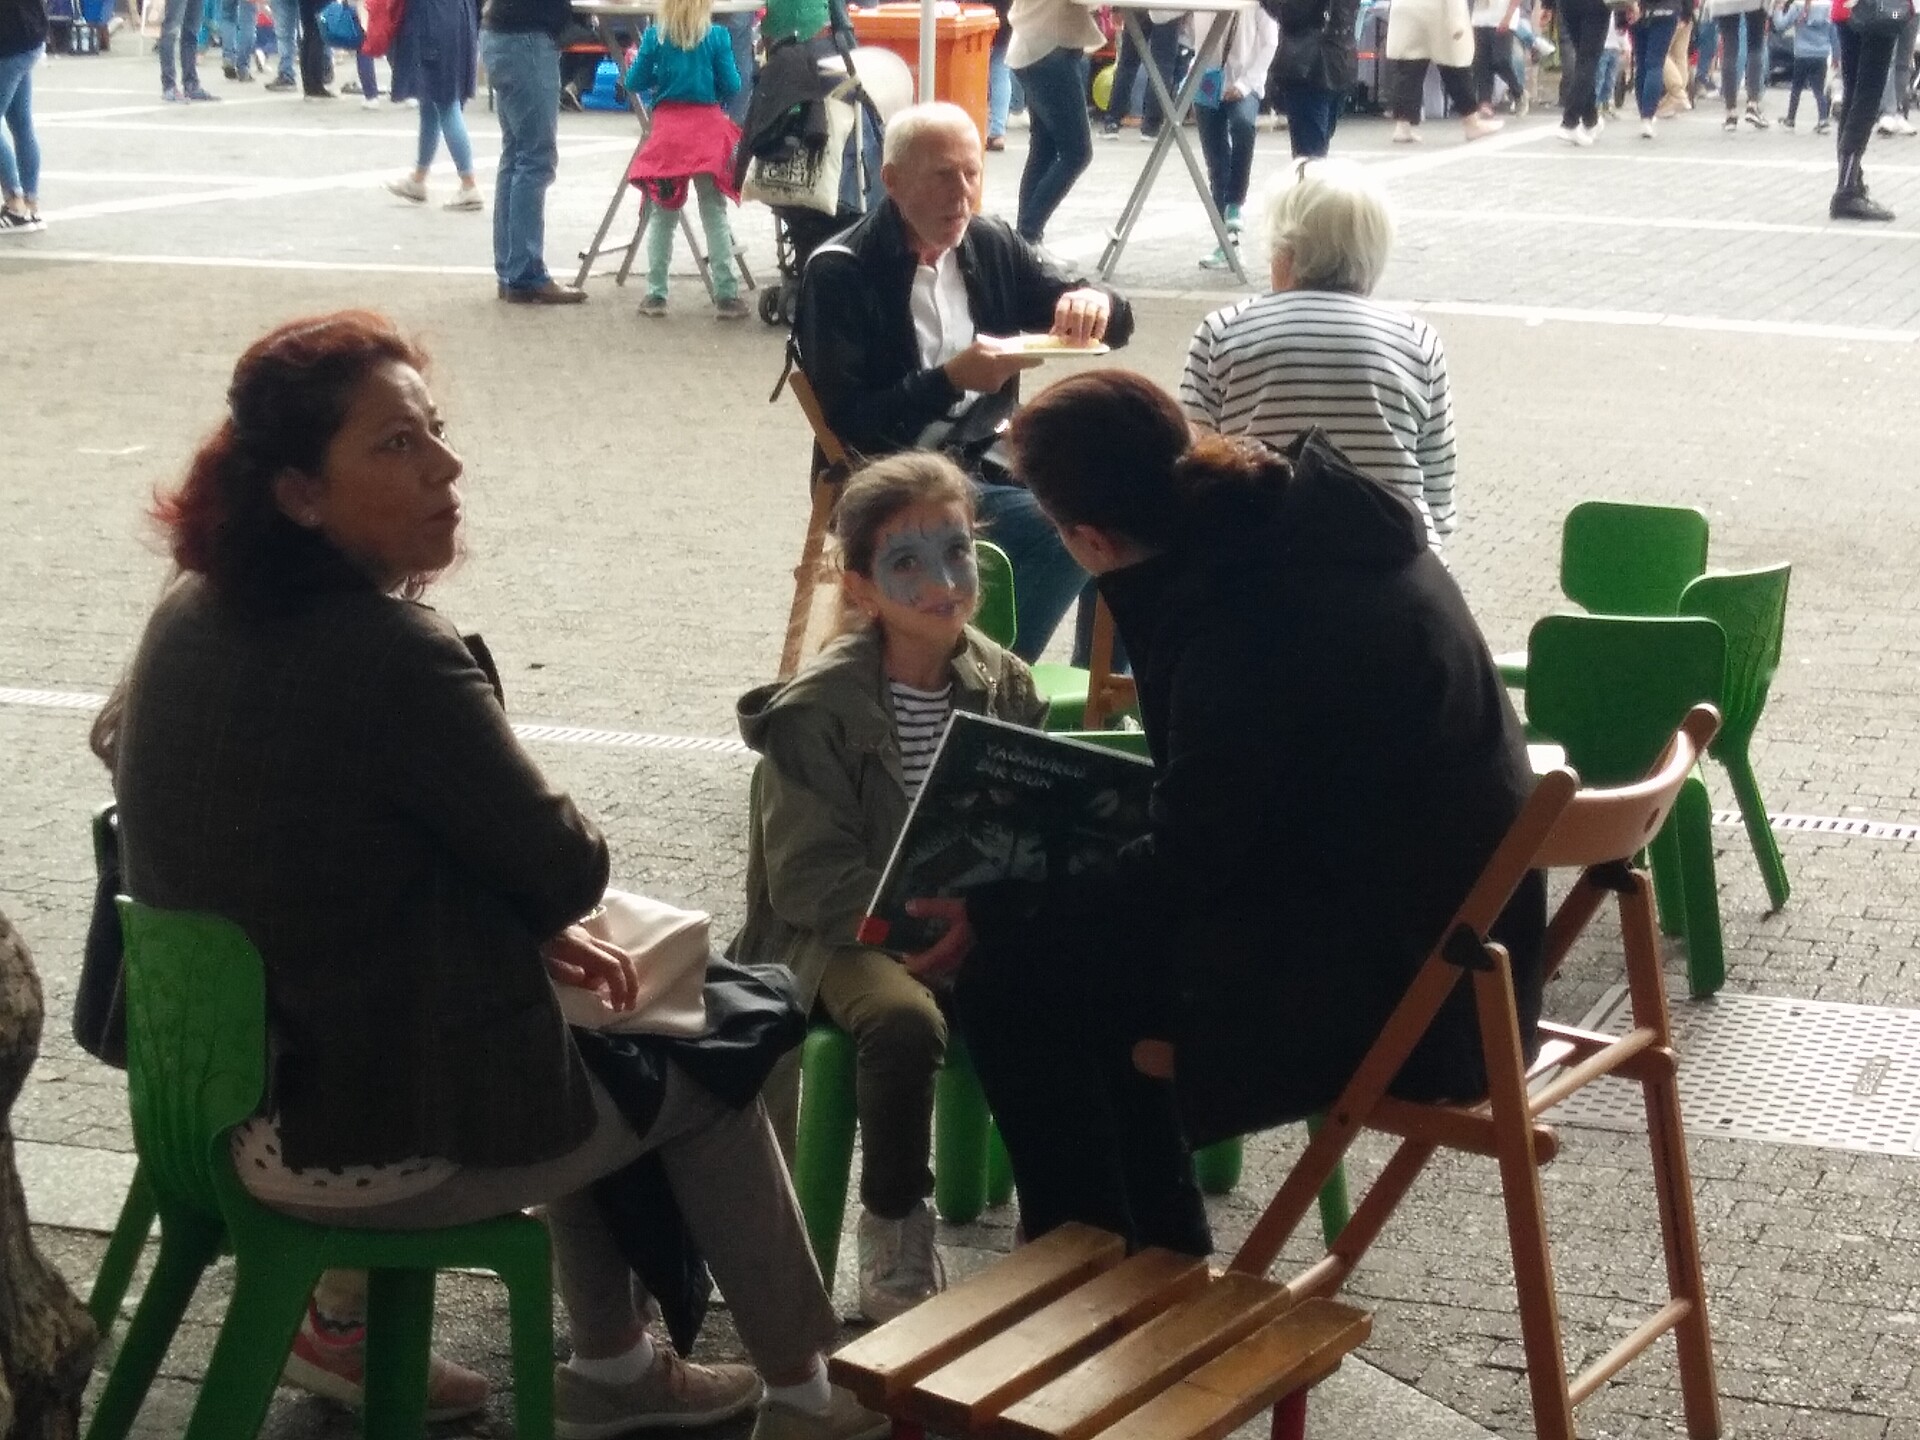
(1591,132)
(408,188)
(1571,134)
(1404,133)
(1478,127)
(1646,128)
(899,1266)
(467,197)
(1888,125)
(1904,126)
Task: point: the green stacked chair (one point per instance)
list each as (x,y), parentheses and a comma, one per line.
(1610,690)
(196,1067)
(1750,607)
(1063,687)
(1623,559)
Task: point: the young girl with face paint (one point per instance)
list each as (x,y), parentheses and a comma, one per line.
(846,745)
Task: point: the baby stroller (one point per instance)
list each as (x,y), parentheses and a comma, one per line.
(811,147)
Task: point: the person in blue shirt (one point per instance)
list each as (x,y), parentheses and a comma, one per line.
(685,72)
(1812,24)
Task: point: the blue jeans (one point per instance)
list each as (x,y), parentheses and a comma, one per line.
(999,84)
(369,77)
(1651,40)
(1226,140)
(1809,73)
(237,24)
(1312,114)
(19,157)
(1163,48)
(438,120)
(1605,77)
(525,70)
(286,36)
(740,27)
(179,41)
(1060,143)
(1046,579)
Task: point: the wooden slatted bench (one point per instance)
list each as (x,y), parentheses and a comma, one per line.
(1070,1338)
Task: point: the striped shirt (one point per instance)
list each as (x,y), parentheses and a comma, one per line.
(920,719)
(1373,377)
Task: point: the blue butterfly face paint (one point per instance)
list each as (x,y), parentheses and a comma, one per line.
(930,568)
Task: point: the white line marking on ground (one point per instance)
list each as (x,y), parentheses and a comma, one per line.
(240,262)
(155,177)
(1856,827)
(1824,166)
(1540,315)
(109,112)
(1659,222)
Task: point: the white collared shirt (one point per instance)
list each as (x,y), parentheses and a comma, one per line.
(942,319)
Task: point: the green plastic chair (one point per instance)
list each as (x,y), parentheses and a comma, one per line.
(1063,687)
(1623,559)
(1750,607)
(970,1169)
(1610,690)
(196,1011)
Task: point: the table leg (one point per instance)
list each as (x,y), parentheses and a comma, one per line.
(1175,109)
(594,251)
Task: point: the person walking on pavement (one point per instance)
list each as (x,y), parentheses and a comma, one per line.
(1676,101)
(180,52)
(23,40)
(519,44)
(238,21)
(1439,32)
(1316,69)
(1583,35)
(1051,41)
(1811,22)
(286,43)
(1493,54)
(433,57)
(1898,99)
(1162,29)
(316,64)
(1229,117)
(1652,23)
(1866,54)
(1735,20)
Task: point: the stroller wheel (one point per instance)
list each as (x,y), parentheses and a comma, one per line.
(770,304)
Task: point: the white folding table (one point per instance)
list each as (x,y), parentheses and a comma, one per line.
(1213,46)
(602,15)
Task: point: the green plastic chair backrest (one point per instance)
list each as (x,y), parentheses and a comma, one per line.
(196,1047)
(1621,559)
(1132,742)
(1612,689)
(997,618)
(1750,607)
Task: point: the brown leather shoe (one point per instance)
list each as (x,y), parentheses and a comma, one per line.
(551,292)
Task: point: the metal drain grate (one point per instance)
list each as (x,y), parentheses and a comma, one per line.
(630,739)
(1786,1072)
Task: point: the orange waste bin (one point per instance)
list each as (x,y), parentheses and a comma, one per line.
(963,46)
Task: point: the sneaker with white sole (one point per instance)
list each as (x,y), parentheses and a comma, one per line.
(408,188)
(467,197)
(674,1394)
(1757,120)
(1478,127)
(330,1360)
(1904,126)
(899,1266)
(1646,128)
(1404,133)
(845,1419)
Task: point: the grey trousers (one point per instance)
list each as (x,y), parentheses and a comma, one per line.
(732,1185)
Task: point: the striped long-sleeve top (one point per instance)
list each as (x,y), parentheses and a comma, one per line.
(1373,377)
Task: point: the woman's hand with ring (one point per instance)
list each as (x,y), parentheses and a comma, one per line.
(578,959)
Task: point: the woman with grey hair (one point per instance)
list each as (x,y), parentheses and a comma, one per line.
(1318,351)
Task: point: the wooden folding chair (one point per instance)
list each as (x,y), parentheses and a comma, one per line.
(1562,826)
(815,591)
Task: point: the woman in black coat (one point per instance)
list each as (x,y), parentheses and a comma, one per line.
(1315,69)
(1336,760)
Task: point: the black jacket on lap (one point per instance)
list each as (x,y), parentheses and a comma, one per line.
(854,326)
(1336,761)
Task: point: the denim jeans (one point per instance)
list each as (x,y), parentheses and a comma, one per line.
(1163,48)
(1606,78)
(286,36)
(237,24)
(439,120)
(20,156)
(1312,114)
(179,45)
(1060,144)
(741,28)
(1046,579)
(1226,140)
(1707,38)
(369,77)
(525,69)
(1809,73)
(999,84)
(1754,24)
(663,224)
(1650,41)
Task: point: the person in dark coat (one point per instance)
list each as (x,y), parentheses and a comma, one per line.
(435,52)
(23,41)
(1315,69)
(1336,760)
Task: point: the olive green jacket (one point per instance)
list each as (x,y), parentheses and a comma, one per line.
(828,797)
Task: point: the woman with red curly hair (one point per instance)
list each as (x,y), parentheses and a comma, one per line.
(310,752)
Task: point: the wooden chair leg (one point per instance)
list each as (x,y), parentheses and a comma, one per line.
(806,577)
(1290,1417)
(1526,1208)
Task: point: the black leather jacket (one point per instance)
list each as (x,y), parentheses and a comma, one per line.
(1316,43)
(854,328)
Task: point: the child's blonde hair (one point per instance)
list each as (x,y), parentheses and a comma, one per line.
(875,497)
(684,23)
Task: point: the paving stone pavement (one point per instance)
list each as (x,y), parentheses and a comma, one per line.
(636,507)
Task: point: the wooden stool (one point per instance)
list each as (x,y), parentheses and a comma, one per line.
(1069,1338)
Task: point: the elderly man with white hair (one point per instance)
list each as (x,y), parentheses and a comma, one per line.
(1318,351)
(896,329)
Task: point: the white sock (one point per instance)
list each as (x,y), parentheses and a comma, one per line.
(617,1369)
(811,1396)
